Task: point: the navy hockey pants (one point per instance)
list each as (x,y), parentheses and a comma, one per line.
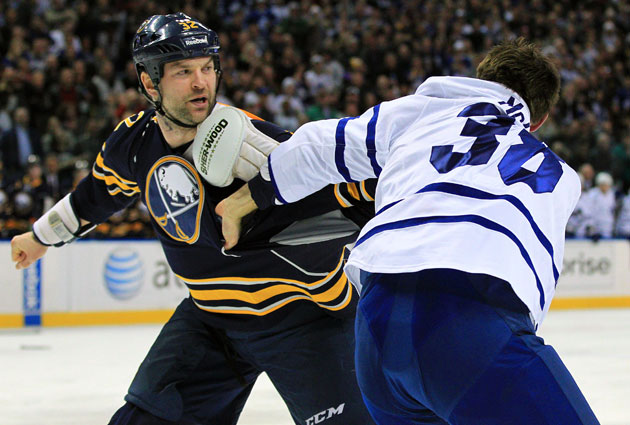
(195,374)
(447,347)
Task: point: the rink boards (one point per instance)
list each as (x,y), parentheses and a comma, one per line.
(118,282)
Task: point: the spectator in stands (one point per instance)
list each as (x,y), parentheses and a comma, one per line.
(34,184)
(325,106)
(290,63)
(65,91)
(600,155)
(53,178)
(587,173)
(316,77)
(39,100)
(20,216)
(287,117)
(19,143)
(106,81)
(63,36)
(39,52)
(289,94)
(57,138)
(264,100)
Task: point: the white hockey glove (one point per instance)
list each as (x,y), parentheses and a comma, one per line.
(59,225)
(228,146)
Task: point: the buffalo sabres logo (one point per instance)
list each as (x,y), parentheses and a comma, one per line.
(174,196)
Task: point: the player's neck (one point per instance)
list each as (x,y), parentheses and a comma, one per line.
(175,135)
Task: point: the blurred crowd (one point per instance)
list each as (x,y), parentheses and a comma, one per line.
(67,79)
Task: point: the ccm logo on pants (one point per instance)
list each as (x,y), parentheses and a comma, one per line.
(325,414)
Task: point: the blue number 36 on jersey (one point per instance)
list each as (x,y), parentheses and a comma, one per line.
(511,169)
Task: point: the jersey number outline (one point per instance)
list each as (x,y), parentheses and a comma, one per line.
(543,180)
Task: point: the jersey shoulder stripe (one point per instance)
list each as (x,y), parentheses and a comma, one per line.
(112,165)
(115,183)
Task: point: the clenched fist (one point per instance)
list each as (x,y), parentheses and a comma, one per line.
(25,250)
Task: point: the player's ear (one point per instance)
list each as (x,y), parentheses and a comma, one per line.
(149,86)
(535,126)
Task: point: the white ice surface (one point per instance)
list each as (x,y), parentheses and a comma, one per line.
(78,376)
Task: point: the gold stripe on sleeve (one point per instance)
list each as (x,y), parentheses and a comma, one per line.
(364,191)
(342,201)
(353,191)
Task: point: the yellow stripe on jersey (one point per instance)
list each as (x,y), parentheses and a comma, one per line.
(282,286)
(342,201)
(129,122)
(115,183)
(353,191)
(117,190)
(270,292)
(296,297)
(101,163)
(364,191)
(109,179)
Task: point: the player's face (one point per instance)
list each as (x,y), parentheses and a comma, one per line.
(189,89)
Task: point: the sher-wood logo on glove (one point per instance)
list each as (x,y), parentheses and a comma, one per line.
(209,146)
(228,146)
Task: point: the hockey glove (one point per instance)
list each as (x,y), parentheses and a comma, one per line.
(228,146)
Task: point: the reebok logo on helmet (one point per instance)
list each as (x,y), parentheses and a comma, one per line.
(196,40)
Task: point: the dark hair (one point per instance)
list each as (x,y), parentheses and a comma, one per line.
(521,66)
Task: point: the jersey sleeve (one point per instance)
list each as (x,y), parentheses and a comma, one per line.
(346,150)
(110,186)
(334,196)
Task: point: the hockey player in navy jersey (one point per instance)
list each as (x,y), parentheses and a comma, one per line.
(279,302)
(460,263)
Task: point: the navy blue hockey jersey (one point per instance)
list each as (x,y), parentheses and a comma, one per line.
(287,256)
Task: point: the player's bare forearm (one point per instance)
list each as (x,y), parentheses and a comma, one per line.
(25,250)
(232,210)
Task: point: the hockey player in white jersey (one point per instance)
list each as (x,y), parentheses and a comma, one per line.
(459,265)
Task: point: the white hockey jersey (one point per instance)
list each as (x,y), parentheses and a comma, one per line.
(462,185)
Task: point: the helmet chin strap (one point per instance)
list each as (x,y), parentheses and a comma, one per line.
(160,110)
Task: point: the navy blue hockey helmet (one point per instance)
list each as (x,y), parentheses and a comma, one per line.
(167,38)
